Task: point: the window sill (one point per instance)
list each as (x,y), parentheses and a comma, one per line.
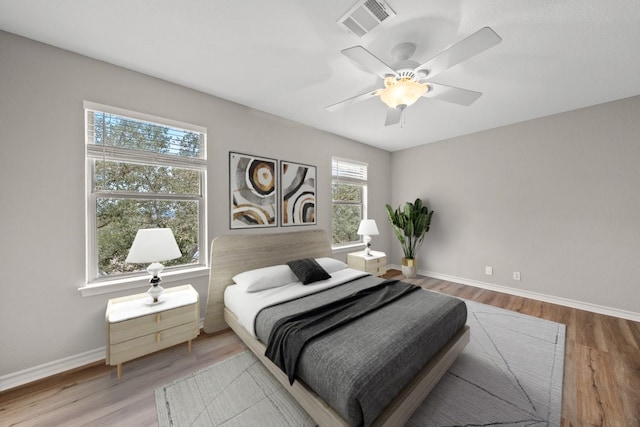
(99,288)
(347,248)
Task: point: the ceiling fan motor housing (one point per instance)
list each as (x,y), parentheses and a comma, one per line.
(406,74)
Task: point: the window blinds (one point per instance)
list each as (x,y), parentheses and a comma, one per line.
(348,171)
(121,138)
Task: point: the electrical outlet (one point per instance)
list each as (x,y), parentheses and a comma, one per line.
(516,275)
(488,270)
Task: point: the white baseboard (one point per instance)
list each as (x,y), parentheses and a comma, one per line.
(594,308)
(48,369)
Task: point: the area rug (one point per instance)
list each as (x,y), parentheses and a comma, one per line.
(510,374)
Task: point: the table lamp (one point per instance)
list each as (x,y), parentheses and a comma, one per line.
(367,229)
(154,245)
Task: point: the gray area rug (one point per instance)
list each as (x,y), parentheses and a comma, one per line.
(510,374)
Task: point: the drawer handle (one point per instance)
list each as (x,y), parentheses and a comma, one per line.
(158,318)
(158,337)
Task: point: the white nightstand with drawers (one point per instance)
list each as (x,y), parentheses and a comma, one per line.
(374,263)
(135,327)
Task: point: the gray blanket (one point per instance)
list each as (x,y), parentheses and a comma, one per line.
(358,369)
(290,334)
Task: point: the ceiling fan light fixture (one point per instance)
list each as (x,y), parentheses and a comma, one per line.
(403,91)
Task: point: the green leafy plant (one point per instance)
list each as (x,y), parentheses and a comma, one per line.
(410,223)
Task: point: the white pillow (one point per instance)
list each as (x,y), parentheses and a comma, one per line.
(265,278)
(331,265)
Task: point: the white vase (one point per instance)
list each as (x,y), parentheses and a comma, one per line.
(409,268)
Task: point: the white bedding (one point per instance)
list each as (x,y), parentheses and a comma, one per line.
(247,305)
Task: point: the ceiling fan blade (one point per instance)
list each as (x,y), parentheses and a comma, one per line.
(369,61)
(357,98)
(477,42)
(394,115)
(452,94)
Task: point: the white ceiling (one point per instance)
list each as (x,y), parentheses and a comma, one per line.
(283,56)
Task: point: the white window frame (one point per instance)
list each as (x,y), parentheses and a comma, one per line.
(93,153)
(358,177)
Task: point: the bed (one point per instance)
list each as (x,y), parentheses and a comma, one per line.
(233,254)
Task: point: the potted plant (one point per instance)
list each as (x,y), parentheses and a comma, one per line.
(410,223)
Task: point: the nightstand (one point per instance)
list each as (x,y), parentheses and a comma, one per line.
(136,327)
(374,263)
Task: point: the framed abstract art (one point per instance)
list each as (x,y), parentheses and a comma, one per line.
(253,184)
(297,194)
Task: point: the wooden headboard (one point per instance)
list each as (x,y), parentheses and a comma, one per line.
(233,254)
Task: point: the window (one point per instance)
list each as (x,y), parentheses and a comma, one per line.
(142,172)
(349,194)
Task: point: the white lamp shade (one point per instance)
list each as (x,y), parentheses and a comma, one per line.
(368,227)
(153,245)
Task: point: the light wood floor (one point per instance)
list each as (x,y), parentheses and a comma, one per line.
(601,384)
(601,373)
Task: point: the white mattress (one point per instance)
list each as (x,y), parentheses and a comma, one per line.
(247,305)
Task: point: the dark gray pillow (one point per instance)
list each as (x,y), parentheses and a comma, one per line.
(308,270)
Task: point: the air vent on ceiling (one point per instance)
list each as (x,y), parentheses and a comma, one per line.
(366,15)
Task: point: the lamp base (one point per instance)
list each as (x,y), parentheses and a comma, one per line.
(155,291)
(367,241)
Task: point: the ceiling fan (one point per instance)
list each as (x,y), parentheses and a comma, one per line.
(408,81)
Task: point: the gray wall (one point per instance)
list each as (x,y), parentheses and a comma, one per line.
(43,317)
(557,199)
(554,198)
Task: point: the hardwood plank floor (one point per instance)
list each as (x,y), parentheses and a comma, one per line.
(93,396)
(601,385)
(601,372)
